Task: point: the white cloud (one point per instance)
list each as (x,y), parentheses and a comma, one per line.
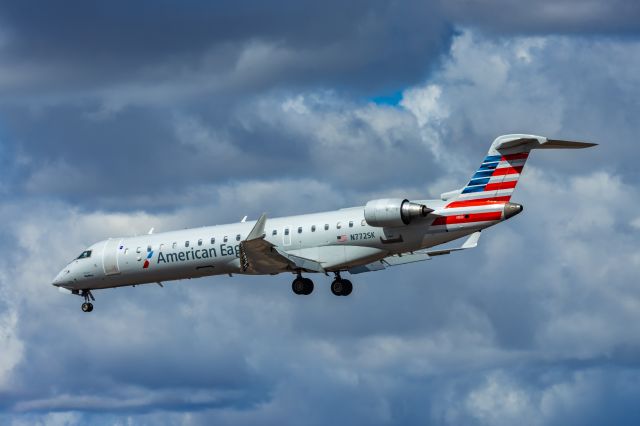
(501,402)
(423,103)
(11,346)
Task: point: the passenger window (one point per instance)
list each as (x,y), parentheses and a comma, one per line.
(238,237)
(186,243)
(313,228)
(350,224)
(274,232)
(286,231)
(326,226)
(138,250)
(299,229)
(213,240)
(174,245)
(148,249)
(338,225)
(161,246)
(225,239)
(200,242)
(363,223)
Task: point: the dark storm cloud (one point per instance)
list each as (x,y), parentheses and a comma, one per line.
(356,45)
(547,16)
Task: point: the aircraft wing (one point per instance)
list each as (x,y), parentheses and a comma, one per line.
(259,256)
(416,256)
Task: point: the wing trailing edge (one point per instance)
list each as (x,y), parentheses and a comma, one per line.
(417,256)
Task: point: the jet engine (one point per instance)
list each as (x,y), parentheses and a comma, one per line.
(393,212)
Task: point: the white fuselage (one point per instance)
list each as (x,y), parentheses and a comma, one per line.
(339,240)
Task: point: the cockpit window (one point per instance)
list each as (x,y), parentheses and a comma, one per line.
(85,254)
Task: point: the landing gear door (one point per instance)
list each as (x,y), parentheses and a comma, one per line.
(110,257)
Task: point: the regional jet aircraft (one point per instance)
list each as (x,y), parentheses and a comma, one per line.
(383,233)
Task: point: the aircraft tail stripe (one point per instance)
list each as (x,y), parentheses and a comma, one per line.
(470,189)
(517,156)
(479,202)
(488,166)
(482,173)
(489,158)
(494,180)
(507,171)
(482,181)
(511,163)
(467,218)
(500,185)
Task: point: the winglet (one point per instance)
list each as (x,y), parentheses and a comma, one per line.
(258,229)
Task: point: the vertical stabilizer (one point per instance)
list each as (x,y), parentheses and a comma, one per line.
(498,175)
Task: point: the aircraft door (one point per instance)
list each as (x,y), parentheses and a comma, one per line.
(286,236)
(110,257)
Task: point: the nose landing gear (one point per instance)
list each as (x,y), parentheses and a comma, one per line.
(87,306)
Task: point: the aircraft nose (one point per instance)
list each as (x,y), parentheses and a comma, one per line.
(59,279)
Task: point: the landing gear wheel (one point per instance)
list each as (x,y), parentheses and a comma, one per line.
(87,307)
(308,286)
(337,287)
(298,286)
(303,286)
(340,287)
(348,287)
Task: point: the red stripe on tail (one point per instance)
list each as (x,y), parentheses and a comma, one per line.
(518,156)
(507,171)
(500,185)
(479,202)
(467,218)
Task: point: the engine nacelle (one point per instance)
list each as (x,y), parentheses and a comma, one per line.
(393,212)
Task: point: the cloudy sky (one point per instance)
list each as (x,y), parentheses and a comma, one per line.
(119,116)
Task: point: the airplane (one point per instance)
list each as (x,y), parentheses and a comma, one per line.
(383,233)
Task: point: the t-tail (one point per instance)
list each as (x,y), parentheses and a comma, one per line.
(497,177)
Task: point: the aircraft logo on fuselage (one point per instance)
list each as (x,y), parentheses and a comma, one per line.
(146,261)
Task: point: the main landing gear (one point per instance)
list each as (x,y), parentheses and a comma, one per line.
(341,287)
(87,306)
(304,286)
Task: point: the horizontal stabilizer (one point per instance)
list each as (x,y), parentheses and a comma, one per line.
(522,143)
(560,144)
